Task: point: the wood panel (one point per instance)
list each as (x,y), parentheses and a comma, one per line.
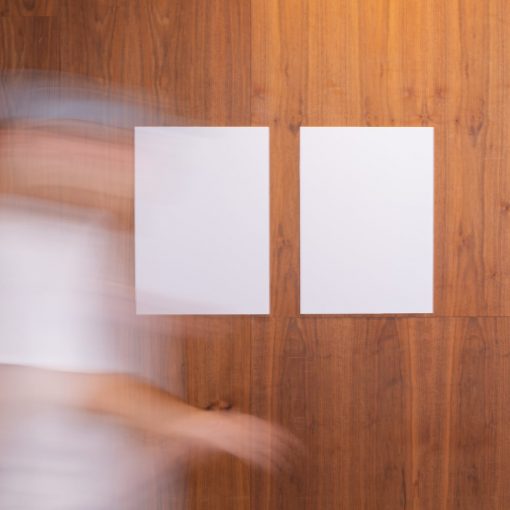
(278,45)
(187,62)
(475,263)
(218,367)
(26,42)
(342,385)
(29,7)
(384,64)
(394,413)
(429,64)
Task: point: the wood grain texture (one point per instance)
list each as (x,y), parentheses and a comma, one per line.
(218,367)
(475,263)
(26,43)
(394,413)
(29,7)
(343,387)
(278,45)
(199,71)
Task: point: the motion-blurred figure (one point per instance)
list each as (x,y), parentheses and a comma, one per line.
(72,419)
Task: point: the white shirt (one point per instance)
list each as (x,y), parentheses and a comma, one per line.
(58,311)
(57,308)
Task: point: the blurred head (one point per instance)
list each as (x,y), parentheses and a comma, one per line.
(65,138)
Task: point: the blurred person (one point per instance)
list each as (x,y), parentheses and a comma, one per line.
(72,418)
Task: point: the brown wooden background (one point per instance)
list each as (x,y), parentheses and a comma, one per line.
(395,412)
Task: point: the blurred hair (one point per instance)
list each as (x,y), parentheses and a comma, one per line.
(48,98)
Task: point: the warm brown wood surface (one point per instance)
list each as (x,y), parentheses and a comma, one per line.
(395,413)
(29,7)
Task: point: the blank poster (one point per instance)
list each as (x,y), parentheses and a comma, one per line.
(202,220)
(367,218)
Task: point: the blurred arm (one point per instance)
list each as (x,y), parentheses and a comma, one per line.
(148,409)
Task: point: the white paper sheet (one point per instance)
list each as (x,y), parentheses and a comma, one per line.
(367,205)
(202,220)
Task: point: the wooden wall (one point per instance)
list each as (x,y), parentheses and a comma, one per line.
(395,412)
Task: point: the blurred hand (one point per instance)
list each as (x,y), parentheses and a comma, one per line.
(247,437)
